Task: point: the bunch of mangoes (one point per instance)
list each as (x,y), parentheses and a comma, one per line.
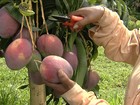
(49,51)
(45,54)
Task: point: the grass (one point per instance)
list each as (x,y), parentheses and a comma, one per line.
(10,81)
(114,78)
(112,84)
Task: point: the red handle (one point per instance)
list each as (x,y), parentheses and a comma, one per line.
(73,20)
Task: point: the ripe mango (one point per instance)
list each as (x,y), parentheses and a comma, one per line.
(18,54)
(8,25)
(71,58)
(51,64)
(49,44)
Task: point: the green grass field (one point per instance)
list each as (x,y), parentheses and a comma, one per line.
(112,84)
(10,81)
(114,78)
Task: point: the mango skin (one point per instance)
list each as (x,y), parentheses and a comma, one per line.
(50,66)
(25,34)
(49,44)
(18,54)
(71,57)
(92,79)
(8,25)
(74,50)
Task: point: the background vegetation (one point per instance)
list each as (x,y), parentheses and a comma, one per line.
(114,78)
(113,75)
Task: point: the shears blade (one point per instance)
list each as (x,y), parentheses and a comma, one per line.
(58,18)
(65,20)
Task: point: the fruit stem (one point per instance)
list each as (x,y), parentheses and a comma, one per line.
(66,40)
(22,23)
(30,31)
(43,17)
(37,19)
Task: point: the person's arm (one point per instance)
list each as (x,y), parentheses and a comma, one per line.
(120,44)
(73,93)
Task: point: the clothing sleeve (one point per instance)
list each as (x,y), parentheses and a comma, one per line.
(78,96)
(132,95)
(120,44)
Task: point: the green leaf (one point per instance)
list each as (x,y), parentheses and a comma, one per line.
(27,12)
(23,86)
(36,29)
(35,1)
(3,2)
(82,62)
(66,5)
(24,9)
(71,39)
(138,23)
(59,6)
(93,1)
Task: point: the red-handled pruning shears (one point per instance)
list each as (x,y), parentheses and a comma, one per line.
(67,21)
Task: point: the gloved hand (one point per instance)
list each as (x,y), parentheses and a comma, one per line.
(64,85)
(90,15)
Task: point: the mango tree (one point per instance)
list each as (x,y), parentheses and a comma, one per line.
(31,38)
